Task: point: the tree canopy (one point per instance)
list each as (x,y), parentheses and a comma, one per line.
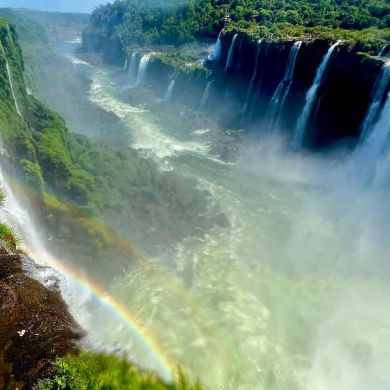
(145,22)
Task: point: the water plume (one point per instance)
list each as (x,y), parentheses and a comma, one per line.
(311,98)
(230,58)
(142,69)
(169,92)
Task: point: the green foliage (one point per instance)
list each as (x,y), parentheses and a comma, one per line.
(111,183)
(134,22)
(90,371)
(8,236)
(369,40)
(184,63)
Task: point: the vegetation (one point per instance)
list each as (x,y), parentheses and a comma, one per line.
(8,236)
(90,371)
(82,182)
(75,184)
(185,63)
(133,22)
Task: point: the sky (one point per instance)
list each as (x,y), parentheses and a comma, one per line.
(55,5)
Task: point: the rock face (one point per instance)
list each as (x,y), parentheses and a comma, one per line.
(35,326)
(340,107)
(342,100)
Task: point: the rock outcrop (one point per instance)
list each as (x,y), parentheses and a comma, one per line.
(35,325)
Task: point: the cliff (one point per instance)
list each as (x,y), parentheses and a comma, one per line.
(35,325)
(343,97)
(342,100)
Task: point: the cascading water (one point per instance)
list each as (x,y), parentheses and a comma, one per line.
(142,70)
(374,108)
(375,130)
(380,143)
(125,64)
(206,94)
(253,78)
(10,82)
(216,55)
(16,216)
(132,69)
(237,309)
(281,92)
(230,57)
(169,93)
(383,51)
(311,97)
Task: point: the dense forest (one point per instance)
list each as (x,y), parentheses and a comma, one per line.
(144,22)
(68,174)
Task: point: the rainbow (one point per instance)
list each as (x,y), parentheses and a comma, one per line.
(163,364)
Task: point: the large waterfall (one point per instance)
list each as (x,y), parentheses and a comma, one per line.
(230,57)
(379,95)
(379,143)
(10,82)
(253,78)
(216,55)
(142,69)
(375,130)
(311,98)
(281,92)
(169,92)
(206,94)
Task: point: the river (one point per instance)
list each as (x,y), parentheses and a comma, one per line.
(292,294)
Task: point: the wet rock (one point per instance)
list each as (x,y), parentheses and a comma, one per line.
(35,326)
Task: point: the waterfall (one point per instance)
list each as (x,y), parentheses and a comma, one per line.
(10,82)
(142,69)
(230,58)
(132,68)
(373,154)
(216,55)
(282,90)
(382,53)
(126,63)
(253,78)
(311,97)
(377,100)
(169,92)
(378,145)
(16,216)
(206,93)
(375,129)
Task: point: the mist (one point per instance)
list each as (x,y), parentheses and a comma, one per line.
(76,6)
(224,205)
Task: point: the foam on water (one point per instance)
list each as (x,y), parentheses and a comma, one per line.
(144,132)
(292,294)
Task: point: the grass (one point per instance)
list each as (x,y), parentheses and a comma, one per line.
(94,371)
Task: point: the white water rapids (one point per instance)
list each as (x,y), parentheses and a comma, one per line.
(293,294)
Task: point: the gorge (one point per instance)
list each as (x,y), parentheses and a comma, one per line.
(225,210)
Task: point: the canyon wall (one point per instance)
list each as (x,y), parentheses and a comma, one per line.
(240,95)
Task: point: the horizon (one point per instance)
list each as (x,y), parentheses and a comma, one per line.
(66,6)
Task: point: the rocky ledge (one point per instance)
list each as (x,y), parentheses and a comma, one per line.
(35,324)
